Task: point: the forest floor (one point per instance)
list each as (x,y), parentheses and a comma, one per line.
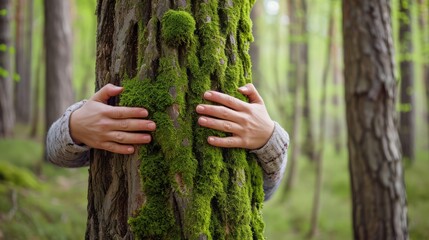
(48,202)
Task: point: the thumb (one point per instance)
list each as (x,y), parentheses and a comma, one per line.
(250,91)
(106,92)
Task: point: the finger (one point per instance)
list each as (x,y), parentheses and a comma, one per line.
(125,112)
(134,125)
(225,100)
(221,125)
(117,148)
(250,91)
(106,92)
(219,112)
(226,142)
(129,138)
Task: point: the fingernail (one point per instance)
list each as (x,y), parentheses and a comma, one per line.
(207,94)
(244,88)
(151,125)
(144,112)
(130,149)
(203,120)
(200,108)
(210,139)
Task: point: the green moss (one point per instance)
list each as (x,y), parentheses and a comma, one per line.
(222,187)
(177,28)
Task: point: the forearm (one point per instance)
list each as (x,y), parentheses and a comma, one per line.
(60,148)
(273,158)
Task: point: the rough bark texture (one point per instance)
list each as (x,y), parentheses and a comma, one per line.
(407,117)
(7,114)
(178,187)
(23,85)
(59,92)
(378,191)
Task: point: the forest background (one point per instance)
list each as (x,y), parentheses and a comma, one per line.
(41,201)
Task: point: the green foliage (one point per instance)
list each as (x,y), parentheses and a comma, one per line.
(9,174)
(3,47)
(4,73)
(177,28)
(3,12)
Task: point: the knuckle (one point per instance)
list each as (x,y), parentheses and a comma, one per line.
(224,113)
(227,126)
(124,124)
(108,146)
(119,136)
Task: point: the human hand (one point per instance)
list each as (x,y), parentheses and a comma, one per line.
(249,123)
(112,128)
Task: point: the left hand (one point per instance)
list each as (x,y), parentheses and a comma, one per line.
(249,123)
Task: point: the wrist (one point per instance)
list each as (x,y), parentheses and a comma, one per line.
(72,128)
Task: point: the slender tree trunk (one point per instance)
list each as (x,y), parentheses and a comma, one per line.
(59,92)
(36,104)
(178,187)
(254,46)
(308,143)
(338,122)
(407,121)
(322,125)
(378,190)
(424,41)
(23,85)
(7,113)
(295,78)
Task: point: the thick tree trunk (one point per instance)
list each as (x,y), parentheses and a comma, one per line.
(23,85)
(378,190)
(7,114)
(59,91)
(178,187)
(407,121)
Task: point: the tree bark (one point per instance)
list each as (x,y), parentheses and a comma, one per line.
(59,91)
(378,190)
(178,187)
(7,113)
(407,117)
(23,84)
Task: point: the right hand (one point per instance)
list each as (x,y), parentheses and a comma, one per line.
(112,128)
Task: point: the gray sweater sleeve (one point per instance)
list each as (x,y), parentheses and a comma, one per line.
(60,147)
(273,158)
(62,151)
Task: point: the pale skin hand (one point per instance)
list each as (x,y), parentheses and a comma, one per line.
(249,123)
(110,128)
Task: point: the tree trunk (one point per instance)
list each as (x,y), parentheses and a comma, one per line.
(318,157)
(378,190)
(296,73)
(178,187)
(407,122)
(23,85)
(59,92)
(308,143)
(254,47)
(424,41)
(7,113)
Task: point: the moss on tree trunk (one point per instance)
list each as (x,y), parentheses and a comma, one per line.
(167,54)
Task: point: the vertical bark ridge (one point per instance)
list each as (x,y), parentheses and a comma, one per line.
(188,189)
